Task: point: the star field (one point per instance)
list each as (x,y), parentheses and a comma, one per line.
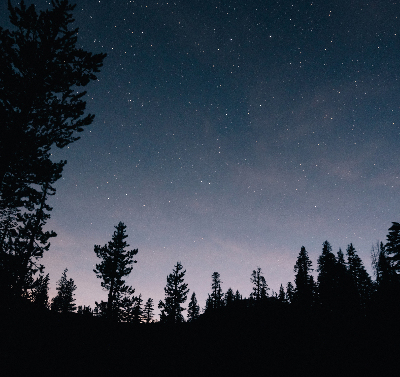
(227,135)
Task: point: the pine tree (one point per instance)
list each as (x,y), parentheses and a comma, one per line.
(23,243)
(361,283)
(229,297)
(281,294)
(148,310)
(327,277)
(304,291)
(216,297)
(41,106)
(387,284)
(260,286)
(115,265)
(137,312)
(64,301)
(193,308)
(289,292)
(175,295)
(40,292)
(41,101)
(392,247)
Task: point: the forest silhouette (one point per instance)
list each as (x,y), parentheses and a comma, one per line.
(333,317)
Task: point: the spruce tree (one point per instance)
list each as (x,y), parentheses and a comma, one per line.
(327,277)
(216,297)
(361,283)
(64,301)
(229,297)
(260,286)
(41,101)
(41,106)
(193,308)
(175,295)
(148,310)
(115,265)
(392,247)
(289,292)
(304,291)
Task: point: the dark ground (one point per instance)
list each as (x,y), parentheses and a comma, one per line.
(278,344)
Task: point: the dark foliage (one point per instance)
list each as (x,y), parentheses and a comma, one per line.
(175,295)
(64,301)
(115,265)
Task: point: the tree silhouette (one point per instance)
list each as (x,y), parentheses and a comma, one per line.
(175,294)
(290,292)
(193,308)
(260,286)
(64,301)
(23,242)
(361,283)
(327,277)
(229,297)
(41,106)
(40,292)
(115,265)
(216,297)
(41,101)
(392,247)
(304,291)
(148,310)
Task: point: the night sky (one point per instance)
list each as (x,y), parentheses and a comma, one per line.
(227,135)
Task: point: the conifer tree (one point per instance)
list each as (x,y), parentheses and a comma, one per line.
(327,277)
(64,301)
(361,283)
(148,310)
(193,308)
(289,292)
(175,295)
(260,286)
(387,284)
(304,292)
(216,297)
(41,106)
(229,297)
(40,292)
(41,100)
(392,247)
(281,294)
(137,312)
(115,265)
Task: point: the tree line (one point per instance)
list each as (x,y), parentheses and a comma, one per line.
(42,106)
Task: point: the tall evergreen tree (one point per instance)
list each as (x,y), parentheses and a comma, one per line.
(175,295)
(41,106)
(387,284)
(229,297)
(282,294)
(327,277)
(115,265)
(148,310)
(260,286)
(392,247)
(290,292)
(64,301)
(216,297)
(193,308)
(361,283)
(41,100)
(304,291)
(137,312)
